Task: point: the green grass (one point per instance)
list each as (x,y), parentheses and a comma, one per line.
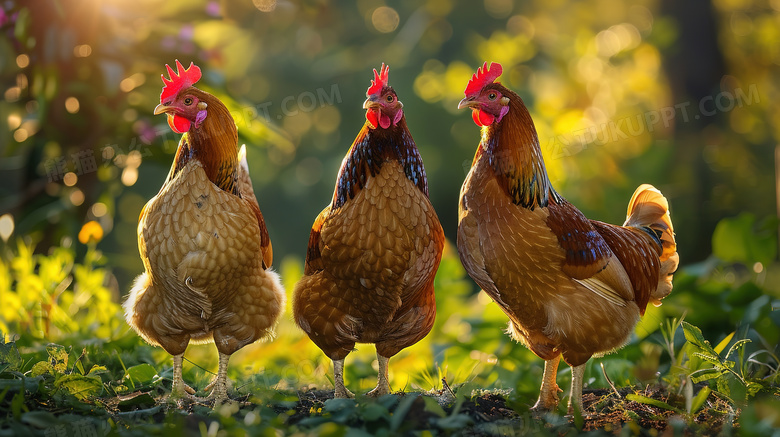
(69,365)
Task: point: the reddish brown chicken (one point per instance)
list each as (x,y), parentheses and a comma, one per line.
(203,241)
(572,287)
(373,253)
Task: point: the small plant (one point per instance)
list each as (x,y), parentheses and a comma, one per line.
(47,296)
(731,376)
(60,380)
(698,361)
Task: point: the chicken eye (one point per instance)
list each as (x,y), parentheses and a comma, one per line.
(492,96)
(389,98)
(188,101)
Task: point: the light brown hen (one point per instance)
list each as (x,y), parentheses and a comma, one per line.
(203,241)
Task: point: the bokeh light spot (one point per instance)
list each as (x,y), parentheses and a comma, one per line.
(499,8)
(14,121)
(82,51)
(70,179)
(99,209)
(265,5)
(385,19)
(22,61)
(12,94)
(21,135)
(72,105)
(6,226)
(91,231)
(76,197)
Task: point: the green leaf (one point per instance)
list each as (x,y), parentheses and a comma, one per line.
(96,370)
(700,398)
(754,387)
(42,368)
(58,357)
(373,411)
(712,359)
(402,410)
(453,422)
(705,375)
(432,406)
(737,345)
(725,342)
(142,375)
(29,384)
(341,410)
(17,405)
(723,386)
(694,336)
(10,360)
(80,386)
(39,419)
(654,402)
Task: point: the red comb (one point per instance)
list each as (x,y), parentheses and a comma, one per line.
(183,78)
(484,76)
(380,80)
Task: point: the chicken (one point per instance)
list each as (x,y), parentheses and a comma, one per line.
(203,242)
(572,287)
(373,253)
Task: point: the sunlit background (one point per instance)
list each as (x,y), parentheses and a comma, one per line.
(683,95)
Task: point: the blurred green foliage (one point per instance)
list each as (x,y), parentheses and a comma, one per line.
(622,93)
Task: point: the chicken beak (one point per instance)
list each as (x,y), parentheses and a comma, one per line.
(466,102)
(160,109)
(370,103)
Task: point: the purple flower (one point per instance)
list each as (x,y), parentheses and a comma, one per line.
(186,32)
(212,8)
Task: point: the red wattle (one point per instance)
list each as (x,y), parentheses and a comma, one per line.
(372,118)
(384,121)
(482,118)
(178,124)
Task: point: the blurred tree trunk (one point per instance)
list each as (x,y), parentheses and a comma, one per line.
(695,67)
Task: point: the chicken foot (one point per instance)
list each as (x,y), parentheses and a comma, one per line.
(575,399)
(548,395)
(219,384)
(338,380)
(383,381)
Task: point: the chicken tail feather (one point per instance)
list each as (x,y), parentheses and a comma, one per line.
(649,209)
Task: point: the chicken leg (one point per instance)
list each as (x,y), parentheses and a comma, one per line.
(219,392)
(338,380)
(575,399)
(383,382)
(180,390)
(548,395)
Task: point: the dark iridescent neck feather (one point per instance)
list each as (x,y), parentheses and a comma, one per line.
(373,148)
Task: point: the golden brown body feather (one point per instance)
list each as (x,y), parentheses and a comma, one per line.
(372,256)
(373,282)
(204,270)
